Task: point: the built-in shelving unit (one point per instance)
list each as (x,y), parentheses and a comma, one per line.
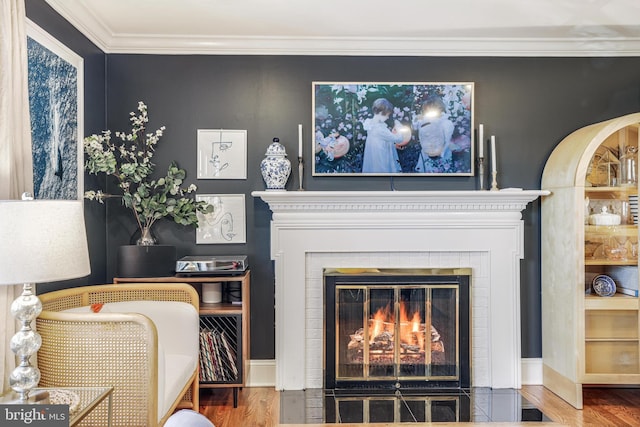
(587,338)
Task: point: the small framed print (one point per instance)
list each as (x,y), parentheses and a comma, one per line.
(222,154)
(227,222)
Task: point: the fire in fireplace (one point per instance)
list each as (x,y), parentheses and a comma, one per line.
(395,329)
(381,339)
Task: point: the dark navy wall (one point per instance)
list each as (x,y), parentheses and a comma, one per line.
(94,121)
(530,104)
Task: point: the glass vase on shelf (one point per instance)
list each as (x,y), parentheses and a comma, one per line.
(628,172)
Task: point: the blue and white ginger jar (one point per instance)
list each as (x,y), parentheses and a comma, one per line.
(275,167)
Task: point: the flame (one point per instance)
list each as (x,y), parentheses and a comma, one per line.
(419,336)
(381,320)
(411,326)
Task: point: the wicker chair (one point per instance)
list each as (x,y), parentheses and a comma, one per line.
(118,349)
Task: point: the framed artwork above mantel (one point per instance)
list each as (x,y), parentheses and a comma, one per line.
(422,129)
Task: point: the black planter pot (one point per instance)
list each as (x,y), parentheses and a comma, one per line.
(146,261)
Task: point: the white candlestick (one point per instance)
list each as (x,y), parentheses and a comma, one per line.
(494,169)
(481,141)
(299,140)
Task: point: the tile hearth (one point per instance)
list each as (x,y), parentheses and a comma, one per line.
(479,405)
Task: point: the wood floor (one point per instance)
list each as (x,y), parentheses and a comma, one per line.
(260,407)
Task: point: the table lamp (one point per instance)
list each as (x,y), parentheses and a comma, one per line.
(40,241)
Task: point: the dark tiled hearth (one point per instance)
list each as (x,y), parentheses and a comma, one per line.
(318,406)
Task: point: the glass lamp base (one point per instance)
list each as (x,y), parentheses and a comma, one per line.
(23,379)
(25,343)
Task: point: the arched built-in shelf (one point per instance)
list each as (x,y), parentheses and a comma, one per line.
(586,338)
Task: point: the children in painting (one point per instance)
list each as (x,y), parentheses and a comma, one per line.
(380,154)
(334,146)
(434,133)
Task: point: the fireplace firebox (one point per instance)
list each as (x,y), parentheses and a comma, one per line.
(394,329)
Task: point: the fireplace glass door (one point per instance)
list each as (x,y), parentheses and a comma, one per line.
(399,331)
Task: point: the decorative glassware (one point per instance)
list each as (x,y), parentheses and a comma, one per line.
(628,171)
(144,237)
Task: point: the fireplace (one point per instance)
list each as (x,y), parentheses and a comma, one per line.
(397,329)
(315,230)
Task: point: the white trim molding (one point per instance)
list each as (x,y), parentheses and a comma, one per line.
(343,46)
(532,371)
(262,373)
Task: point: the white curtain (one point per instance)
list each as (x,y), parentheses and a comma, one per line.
(16,164)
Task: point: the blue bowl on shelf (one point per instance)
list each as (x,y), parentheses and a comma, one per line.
(604,285)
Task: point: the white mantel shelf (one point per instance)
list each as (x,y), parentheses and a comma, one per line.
(402,201)
(314,230)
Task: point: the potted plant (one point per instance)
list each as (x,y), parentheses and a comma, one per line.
(128,160)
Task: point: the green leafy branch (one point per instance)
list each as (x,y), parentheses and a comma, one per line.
(128,159)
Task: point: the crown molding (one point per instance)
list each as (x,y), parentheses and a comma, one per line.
(86,22)
(558,47)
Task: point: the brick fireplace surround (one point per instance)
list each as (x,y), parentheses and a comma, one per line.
(481,230)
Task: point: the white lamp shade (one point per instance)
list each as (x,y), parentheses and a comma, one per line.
(42,241)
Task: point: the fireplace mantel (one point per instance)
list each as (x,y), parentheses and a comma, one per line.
(508,200)
(313,230)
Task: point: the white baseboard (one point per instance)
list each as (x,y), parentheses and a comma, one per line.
(531,371)
(262,373)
